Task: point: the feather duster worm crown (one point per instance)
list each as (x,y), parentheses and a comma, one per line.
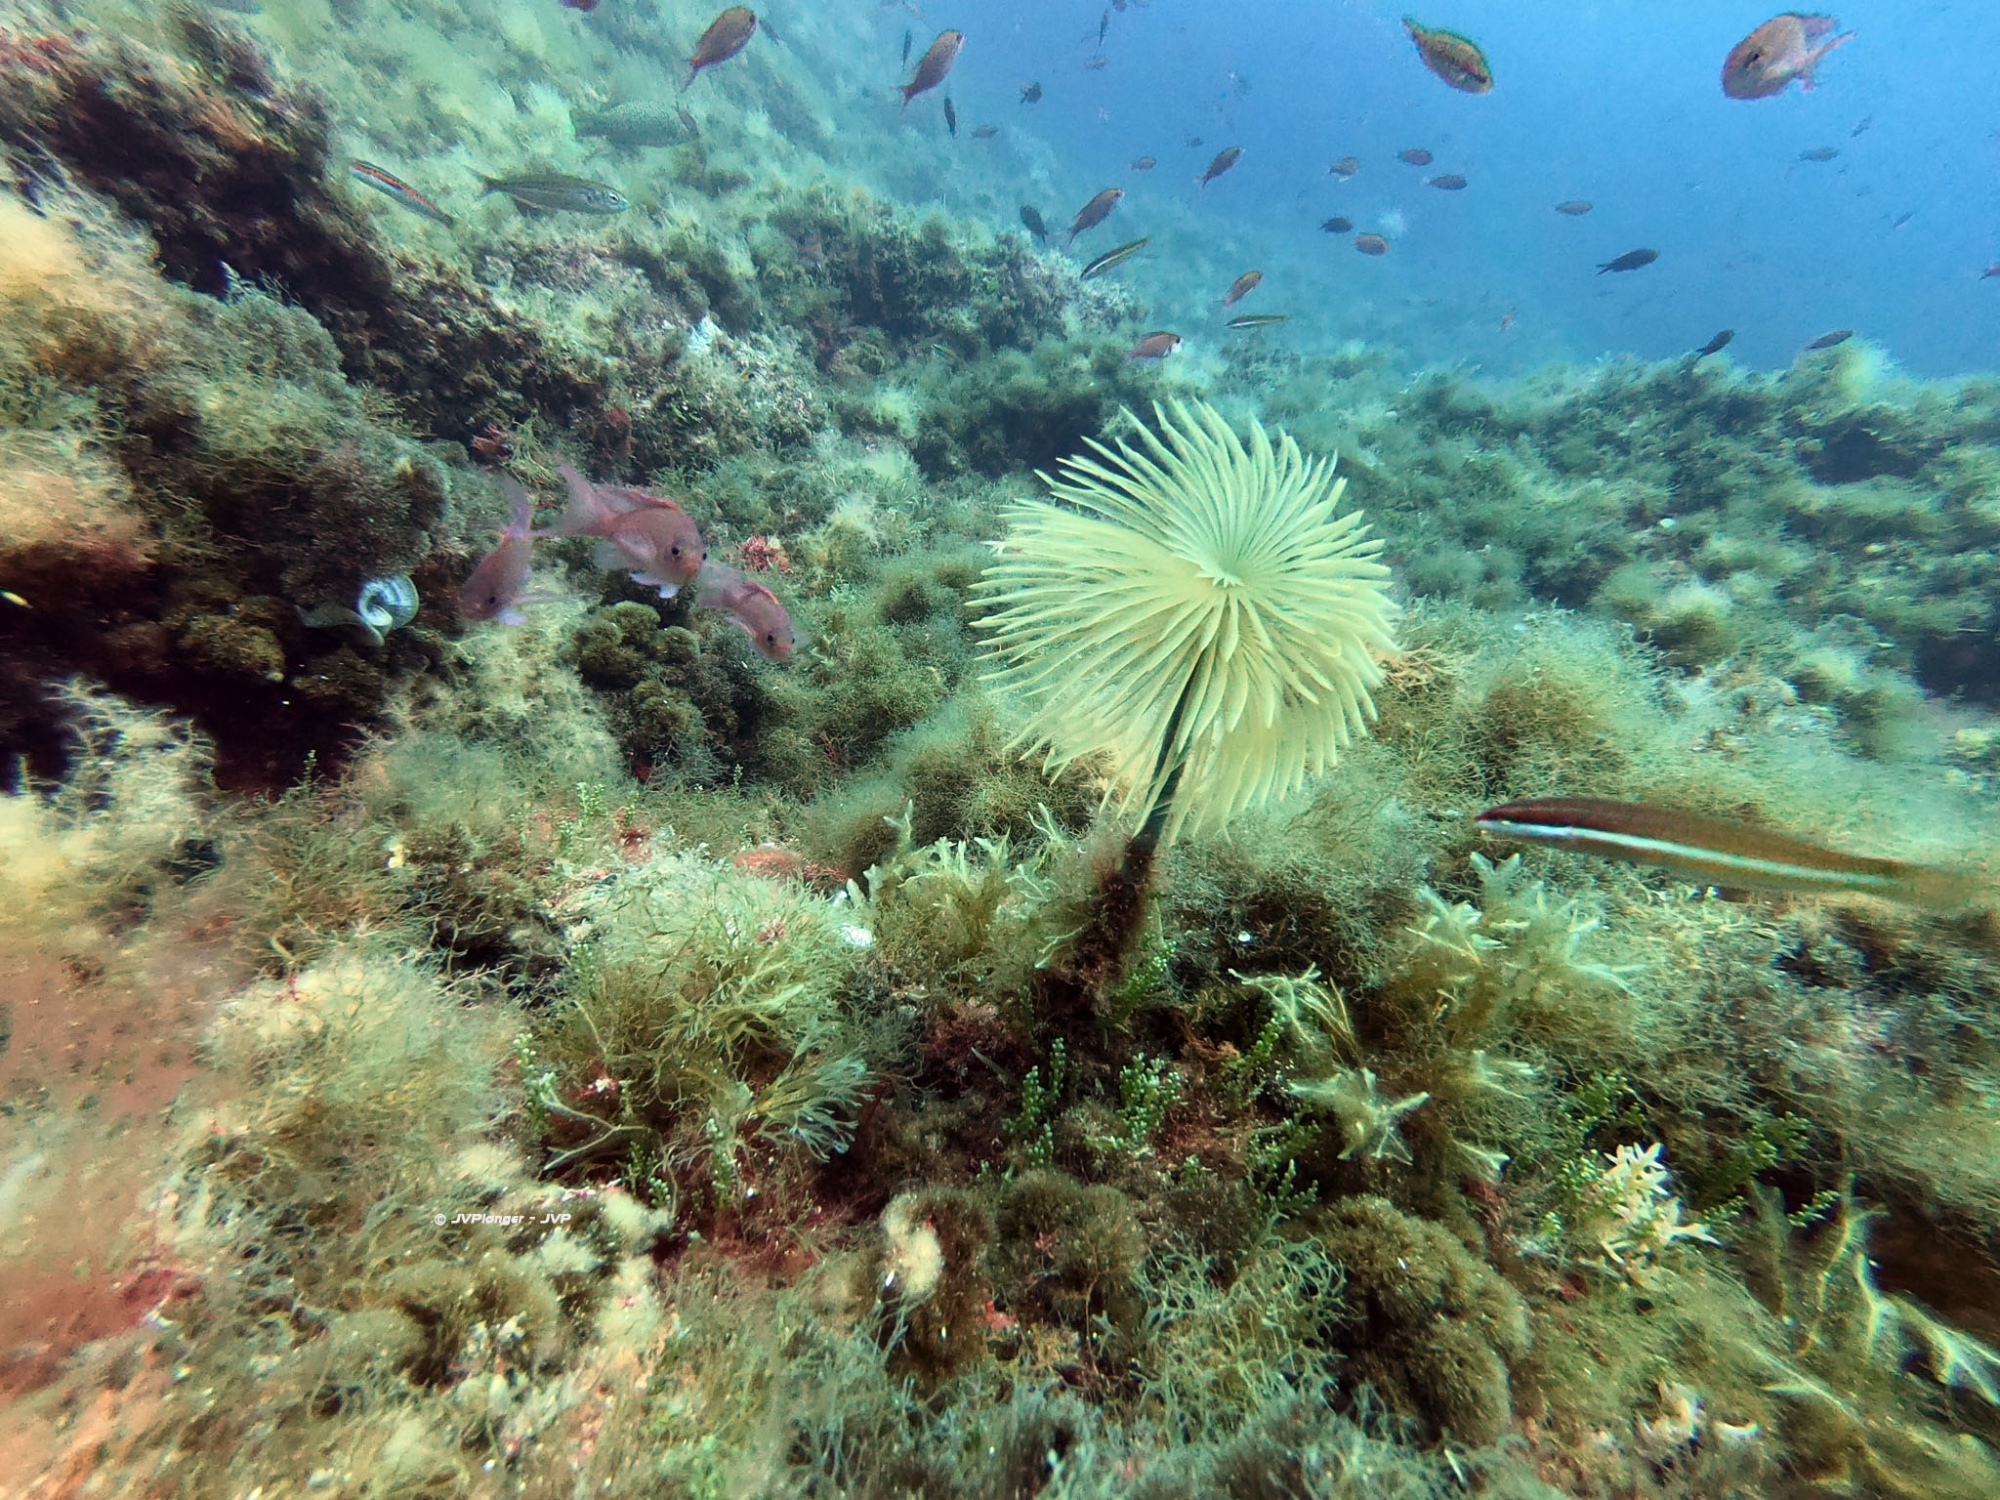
(1193,609)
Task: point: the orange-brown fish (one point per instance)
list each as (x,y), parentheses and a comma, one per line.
(1785,47)
(495,588)
(1095,212)
(1241,287)
(1144,163)
(934,64)
(1155,346)
(1226,158)
(1716,852)
(1371,244)
(1454,58)
(1416,156)
(751,605)
(1450,182)
(727,35)
(1347,166)
(1576,208)
(654,539)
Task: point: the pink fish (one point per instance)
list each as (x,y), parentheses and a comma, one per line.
(1785,47)
(493,592)
(753,606)
(654,539)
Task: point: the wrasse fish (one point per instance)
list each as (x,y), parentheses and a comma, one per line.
(1226,158)
(934,64)
(558,192)
(1256,320)
(1115,257)
(1095,212)
(1032,218)
(1155,346)
(1241,287)
(950,117)
(1785,47)
(1631,260)
(1454,58)
(727,35)
(395,187)
(1715,851)
(1715,345)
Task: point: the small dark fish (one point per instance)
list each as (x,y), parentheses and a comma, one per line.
(1226,158)
(1576,208)
(1032,218)
(1902,218)
(1820,153)
(1115,257)
(727,35)
(637,124)
(1455,59)
(1241,287)
(1347,166)
(1194,143)
(1371,244)
(1143,163)
(1450,182)
(1155,346)
(687,121)
(586,6)
(1337,225)
(401,191)
(1992,270)
(1031,93)
(950,117)
(557,193)
(1098,63)
(1256,320)
(1095,212)
(934,64)
(1103,25)
(1715,345)
(1828,340)
(1416,156)
(1860,125)
(907,40)
(1785,47)
(1631,260)
(985,132)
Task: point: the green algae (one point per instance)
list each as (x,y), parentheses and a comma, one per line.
(1340,1183)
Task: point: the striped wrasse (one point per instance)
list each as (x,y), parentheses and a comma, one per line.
(395,187)
(1715,851)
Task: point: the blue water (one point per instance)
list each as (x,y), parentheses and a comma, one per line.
(1617,103)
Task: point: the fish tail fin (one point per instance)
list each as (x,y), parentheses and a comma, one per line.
(1938,889)
(521,522)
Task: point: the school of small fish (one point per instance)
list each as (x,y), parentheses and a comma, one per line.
(656,542)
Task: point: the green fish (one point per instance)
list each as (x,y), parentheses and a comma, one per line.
(1111,258)
(1257,320)
(557,192)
